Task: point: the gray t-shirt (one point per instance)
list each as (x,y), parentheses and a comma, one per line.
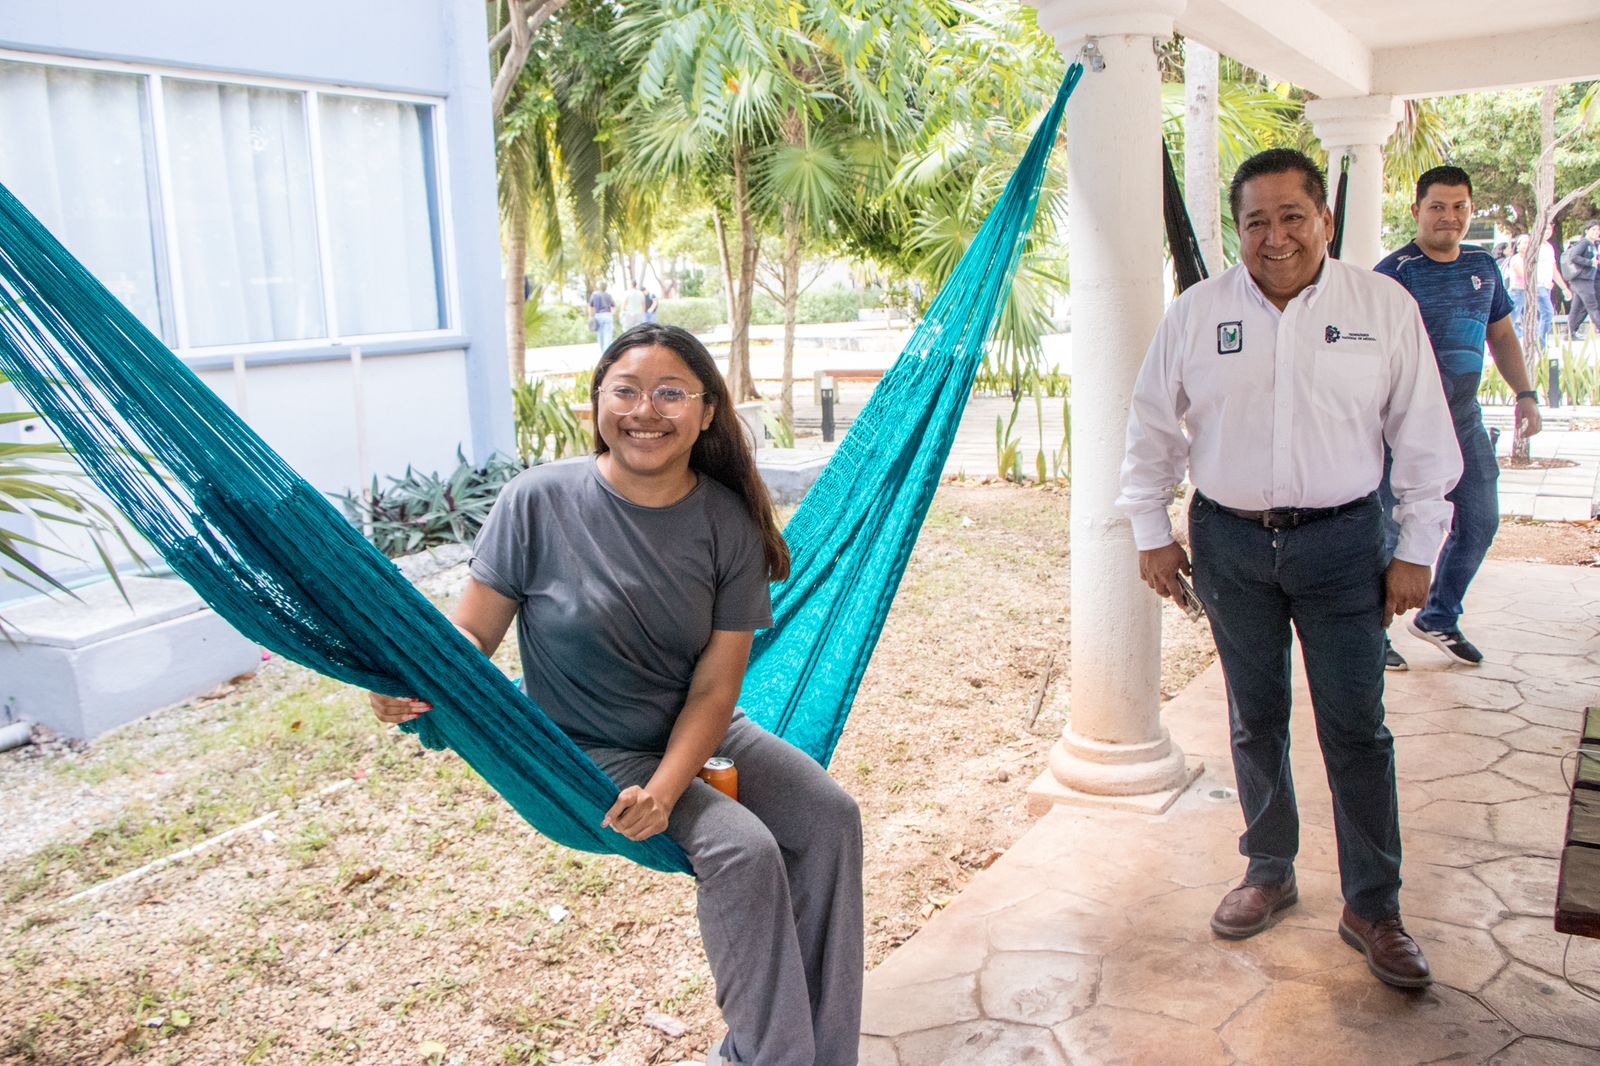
(617,601)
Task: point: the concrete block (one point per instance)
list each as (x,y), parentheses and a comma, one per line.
(85,666)
(790,472)
(1563,509)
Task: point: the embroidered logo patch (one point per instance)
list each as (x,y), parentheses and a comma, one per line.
(1333,334)
(1230,337)
(1477,282)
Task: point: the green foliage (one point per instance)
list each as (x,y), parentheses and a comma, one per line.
(44,483)
(419,511)
(561,324)
(695,315)
(1580,374)
(778,428)
(1496,139)
(693,284)
(547,428)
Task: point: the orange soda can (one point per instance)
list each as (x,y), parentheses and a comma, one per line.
(721,775)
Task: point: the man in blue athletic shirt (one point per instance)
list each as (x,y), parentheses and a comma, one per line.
(1464,303)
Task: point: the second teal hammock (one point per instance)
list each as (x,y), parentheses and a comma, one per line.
(287,570)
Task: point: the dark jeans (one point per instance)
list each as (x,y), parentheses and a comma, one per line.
(1585,305)
(1472,527)
(1326,580)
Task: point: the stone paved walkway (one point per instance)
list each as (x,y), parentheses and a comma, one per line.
(1087,942)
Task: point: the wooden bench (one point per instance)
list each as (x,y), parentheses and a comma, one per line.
(872,375)
(1578,886)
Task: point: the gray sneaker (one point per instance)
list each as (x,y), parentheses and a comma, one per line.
(1393,660)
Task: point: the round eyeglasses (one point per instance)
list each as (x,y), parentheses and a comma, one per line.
(668,400)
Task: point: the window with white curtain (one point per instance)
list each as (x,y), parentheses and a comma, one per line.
(75,148)
(250,214)
(377,155)
(244,206)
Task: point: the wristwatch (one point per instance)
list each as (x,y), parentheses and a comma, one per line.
(1528,394)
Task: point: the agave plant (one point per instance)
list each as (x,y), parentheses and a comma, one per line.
(44,485)
(419,511)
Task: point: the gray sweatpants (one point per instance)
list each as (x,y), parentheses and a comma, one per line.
(779,897)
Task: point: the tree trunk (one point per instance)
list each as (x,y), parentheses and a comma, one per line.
(516,267)
(726,260)
(740,384)
(792,238)
(1200,86)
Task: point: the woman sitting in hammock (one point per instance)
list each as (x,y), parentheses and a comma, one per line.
(637,577)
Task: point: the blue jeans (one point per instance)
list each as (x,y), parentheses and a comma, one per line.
(1547,317)
(1325,579)
(1472,527)
(1519,304)
(605,323)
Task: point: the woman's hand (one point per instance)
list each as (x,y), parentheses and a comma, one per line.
(637,814)
(392,711)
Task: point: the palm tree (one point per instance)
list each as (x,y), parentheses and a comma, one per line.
(711,97)
(995,76)
(556,146)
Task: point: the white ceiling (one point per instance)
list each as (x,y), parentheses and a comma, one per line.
(1400,23)
(1403,48)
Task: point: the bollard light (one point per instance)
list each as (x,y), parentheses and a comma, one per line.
(827,409)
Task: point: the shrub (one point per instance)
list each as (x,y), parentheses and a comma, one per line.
(830,305)
(695,315)
(561,324)
(420,511)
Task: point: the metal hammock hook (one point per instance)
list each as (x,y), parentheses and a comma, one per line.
(1089,55)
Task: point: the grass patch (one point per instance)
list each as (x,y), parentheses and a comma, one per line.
(271,752)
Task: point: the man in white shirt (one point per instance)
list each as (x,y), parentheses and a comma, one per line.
(1276,386)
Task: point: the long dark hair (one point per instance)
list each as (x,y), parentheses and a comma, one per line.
(722,451)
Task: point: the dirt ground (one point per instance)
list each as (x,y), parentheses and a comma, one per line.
(384,906)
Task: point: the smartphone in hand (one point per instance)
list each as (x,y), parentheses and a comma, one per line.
(1188,600)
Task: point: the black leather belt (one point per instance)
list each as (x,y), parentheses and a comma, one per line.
(1285,517)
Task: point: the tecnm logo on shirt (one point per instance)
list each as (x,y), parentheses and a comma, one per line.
(1230,337)
(1334,334)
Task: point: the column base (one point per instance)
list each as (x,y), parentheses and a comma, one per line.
(1140,777)
(1046,792)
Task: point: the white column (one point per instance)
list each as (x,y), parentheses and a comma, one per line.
(1114,743)
(1357,126)
(1200,90)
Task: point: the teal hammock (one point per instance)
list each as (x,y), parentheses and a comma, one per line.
(287,570)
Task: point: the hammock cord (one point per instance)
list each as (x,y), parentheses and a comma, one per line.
(289,572)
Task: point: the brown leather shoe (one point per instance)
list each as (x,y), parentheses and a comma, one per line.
(1248,909)
(1392,956)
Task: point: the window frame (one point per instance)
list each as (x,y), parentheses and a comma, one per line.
(171,295)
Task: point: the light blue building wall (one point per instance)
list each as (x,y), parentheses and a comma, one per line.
(264,283)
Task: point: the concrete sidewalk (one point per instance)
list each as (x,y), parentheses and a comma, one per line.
(1087,942)
(1564,494)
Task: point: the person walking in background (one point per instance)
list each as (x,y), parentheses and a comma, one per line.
(602,315)
(652,307)
(1458,290)
(633,305)
(1517,281)
(1578,263)
(1276,385)
(1545,276)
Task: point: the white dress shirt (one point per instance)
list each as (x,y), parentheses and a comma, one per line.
(1291,408)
